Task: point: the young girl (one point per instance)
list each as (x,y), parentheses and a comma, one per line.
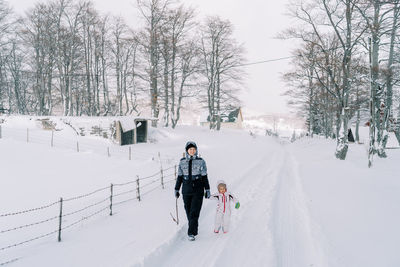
(223,214)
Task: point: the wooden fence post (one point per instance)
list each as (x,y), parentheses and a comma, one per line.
(162,178)
(0,131)
(27,135)
(108,151)
(161,170)
(59,221)
(111,199)
(77,146)
(137,188)
(52,138)
(175,173)
(130,153)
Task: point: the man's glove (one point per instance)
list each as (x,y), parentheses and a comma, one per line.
(237,205)
(207,194)
(177,193)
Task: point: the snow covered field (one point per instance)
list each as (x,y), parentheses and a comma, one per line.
(299,205)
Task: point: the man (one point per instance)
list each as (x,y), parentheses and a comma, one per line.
(192,173)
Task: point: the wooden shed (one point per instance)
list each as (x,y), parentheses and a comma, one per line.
(131,130)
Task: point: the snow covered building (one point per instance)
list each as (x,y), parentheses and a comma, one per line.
(131,130)
(233,119)
(122,130)
(4,111)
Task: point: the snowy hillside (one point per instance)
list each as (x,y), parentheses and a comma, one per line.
(299,205)
(282,124)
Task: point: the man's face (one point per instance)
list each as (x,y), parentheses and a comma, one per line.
(192,151)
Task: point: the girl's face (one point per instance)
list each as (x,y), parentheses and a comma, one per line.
(192,151)
(222,189)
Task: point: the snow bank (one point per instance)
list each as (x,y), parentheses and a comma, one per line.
(38,174)
(354,207)
(299,205)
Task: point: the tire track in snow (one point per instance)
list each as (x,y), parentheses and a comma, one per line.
(249,241)
(295,238)
(254,229)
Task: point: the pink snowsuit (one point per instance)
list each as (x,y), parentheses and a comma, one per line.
(223,215)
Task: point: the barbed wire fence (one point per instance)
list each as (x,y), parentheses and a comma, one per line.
(78,143)
(104,198)
(114,195)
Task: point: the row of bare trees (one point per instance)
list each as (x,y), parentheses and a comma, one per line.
(65,58)
(345,68)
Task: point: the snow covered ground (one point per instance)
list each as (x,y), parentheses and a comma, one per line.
(354,209)
(299,205)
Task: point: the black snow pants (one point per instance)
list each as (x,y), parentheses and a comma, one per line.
(193,204)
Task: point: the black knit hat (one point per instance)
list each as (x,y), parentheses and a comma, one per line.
(189,145)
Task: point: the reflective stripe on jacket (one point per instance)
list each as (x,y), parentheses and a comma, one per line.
(224,201)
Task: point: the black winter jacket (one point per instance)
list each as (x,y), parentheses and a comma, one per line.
(192,173)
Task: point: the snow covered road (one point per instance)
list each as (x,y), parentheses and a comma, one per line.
(272,227)
(299,205)
(249,241)
(296,236)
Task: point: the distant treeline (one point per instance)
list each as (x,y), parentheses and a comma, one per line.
(346,68)
(64,58)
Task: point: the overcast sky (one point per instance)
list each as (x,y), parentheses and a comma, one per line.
(256,22)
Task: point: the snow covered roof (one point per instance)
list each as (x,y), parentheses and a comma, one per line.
(127,123)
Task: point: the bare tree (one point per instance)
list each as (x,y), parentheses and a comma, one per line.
(5,25)
(68,55)
(65,57)
(222,59)
(124,48)
(378,15)
(103,43)
(190,62)
(174,35)
(14,62)
(342,20)
(39,34)
(153,12)
(389,73)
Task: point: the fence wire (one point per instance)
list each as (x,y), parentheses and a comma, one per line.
(85,208)
(55,231)
(78,221)
(124,201)
(146,185)
(54,140)
(85,218)
(86,195)
(150,176)
(125,192)
(29,225)
(29,240)
(123,184)
(29,210)
(9,261)
(163,174)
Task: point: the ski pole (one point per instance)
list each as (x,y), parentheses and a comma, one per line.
(176,208)
(176,205)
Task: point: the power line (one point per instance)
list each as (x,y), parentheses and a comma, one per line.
(57,75)
(264,61)
(130,73)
